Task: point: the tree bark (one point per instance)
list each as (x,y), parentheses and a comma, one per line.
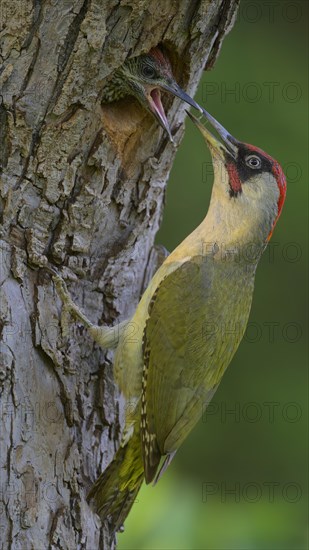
(82,188)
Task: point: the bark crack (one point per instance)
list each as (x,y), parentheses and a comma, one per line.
(225,21)
(71,37)
(30,71)
(37,19)
(5,141)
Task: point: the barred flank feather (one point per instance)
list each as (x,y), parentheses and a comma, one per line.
(151,452)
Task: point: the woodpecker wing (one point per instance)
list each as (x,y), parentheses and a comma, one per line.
(197,318)
(175,361)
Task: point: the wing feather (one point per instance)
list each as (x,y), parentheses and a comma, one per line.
(172,398)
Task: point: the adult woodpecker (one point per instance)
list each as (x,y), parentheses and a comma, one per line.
(189,321)
(145,77)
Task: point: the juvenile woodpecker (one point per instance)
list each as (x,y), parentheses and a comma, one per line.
(190,320)
(145,77)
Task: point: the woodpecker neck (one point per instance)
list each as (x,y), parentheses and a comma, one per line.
(231,231)
(221,236)
(231,236)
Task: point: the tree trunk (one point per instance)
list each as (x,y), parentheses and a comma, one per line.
(82,188)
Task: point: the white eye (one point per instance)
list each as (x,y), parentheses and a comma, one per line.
(253,161)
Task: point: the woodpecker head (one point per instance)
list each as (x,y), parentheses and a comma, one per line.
(145,77)
(250,184)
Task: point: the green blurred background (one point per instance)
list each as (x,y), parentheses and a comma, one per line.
(261,450)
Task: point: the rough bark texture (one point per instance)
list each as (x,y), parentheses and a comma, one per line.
(82,187)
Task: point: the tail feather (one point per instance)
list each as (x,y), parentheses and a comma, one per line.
(115,491)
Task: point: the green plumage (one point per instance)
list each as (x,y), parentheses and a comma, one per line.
(115,490)
(197,319)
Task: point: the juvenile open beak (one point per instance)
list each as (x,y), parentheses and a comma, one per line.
(156,107)
(155,104)
(229,145)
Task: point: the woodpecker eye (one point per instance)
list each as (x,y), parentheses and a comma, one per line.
(253,161)
(148,72)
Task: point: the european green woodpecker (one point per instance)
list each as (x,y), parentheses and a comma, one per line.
(189,322)
(145,77)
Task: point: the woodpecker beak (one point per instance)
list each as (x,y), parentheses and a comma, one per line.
(229,145)
(174,89)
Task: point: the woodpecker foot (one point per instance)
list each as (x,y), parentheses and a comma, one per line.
(69,307)
(106,337)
